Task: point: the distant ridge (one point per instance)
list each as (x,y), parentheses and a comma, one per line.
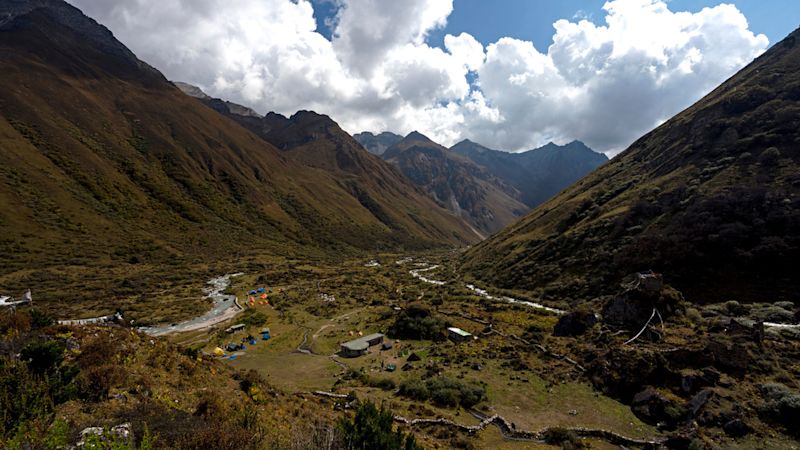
(537,174)
(377,144)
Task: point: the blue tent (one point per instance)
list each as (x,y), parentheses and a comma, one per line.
(253,292)
(261,290)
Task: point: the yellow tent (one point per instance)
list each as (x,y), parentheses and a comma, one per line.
(219,352)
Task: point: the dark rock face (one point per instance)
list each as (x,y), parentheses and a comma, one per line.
(574,324)
(697,403)
(537,174)
(653,407)
(736,428)
(691,381)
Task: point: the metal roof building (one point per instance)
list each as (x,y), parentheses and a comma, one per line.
(458,335)
(358,347)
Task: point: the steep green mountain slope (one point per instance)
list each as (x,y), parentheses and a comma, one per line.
(537,174)
(377,144)
(710,198)
(465,188)
(315,140)
(104,163)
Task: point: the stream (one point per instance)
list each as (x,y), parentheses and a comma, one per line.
(223,308)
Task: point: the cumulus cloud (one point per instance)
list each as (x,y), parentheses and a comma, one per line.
(605,84)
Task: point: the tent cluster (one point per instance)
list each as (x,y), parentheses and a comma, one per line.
(240,346)
(259,296)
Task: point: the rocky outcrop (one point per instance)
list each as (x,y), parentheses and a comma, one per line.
(644,296)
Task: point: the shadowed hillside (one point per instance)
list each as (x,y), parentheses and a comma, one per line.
(709,198)
(465,188)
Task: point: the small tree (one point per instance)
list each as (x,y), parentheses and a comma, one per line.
(372,428)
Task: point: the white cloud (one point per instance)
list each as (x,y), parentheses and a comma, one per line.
(604,84)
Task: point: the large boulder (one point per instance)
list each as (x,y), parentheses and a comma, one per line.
(574,324)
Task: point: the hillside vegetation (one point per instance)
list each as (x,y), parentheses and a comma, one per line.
(108,170)
(709,198)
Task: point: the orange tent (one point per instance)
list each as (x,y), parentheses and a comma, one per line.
(263,296)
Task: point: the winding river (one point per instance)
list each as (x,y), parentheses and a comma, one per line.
(223,307)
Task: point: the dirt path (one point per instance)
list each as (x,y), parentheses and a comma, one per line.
(321,329)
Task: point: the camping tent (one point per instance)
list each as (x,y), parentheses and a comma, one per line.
(219,352)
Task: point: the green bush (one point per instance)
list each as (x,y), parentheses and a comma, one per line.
(40,319)
(254,318)
(417,322)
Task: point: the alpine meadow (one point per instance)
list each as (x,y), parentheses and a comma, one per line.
(369,225)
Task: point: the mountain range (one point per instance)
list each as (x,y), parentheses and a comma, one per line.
(489,188)
(103,158)
(377,144)
(463,187)
(709,199)
(537,174)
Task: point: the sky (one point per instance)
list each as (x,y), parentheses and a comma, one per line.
(510,74)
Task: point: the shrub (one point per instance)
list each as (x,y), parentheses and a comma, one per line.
(372,428)
(254,318)
(567,439)
(40,319)
(43,356)
(443,391)
(781,405)
(417,322)
(96,382)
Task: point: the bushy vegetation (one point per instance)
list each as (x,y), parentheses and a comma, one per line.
(567,439)
(253,318)
(417,322)
(371,428)
(736,233)
(443,391)
(386,384)
(781,405)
